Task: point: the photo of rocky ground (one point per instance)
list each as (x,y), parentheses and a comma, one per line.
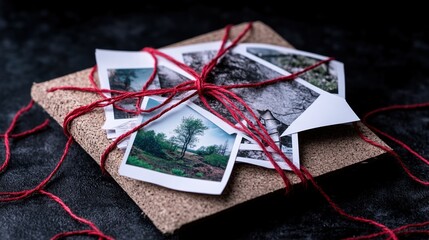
(285,145)
(197,60)
(169,78)
(285,100)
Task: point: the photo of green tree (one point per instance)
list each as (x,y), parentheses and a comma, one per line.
(183,143)
(130,80)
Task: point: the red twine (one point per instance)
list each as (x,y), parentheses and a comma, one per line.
(232,102)
(14,196)
(203,89)
(198,87)
(403,230)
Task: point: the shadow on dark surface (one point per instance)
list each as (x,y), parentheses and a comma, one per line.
(277,216)
(386,61)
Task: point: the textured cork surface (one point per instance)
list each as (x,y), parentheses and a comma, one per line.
(322,150)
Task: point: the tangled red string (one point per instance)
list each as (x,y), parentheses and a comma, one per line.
(232,102)
(222,93)
(403,230)
(8,134)
(14,196)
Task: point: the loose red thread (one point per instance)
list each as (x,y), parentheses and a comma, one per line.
(14,196)
(8,134)
(403,230)
(94,230)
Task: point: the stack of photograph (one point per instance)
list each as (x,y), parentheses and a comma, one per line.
(189,148)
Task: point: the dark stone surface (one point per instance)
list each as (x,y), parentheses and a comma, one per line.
(386,56)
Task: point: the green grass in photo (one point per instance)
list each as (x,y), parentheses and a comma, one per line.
(133,160)
(178,172)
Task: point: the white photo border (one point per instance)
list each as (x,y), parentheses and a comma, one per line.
(178,182)
(338,66)
(266,163)
(111,59)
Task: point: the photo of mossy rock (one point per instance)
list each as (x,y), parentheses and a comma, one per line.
(323,77)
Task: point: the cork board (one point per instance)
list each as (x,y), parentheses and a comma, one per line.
(322,150)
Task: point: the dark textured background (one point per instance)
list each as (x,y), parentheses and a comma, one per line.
(386,54)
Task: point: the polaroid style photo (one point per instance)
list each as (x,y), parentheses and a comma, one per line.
(279,106)
(283,103)
(125,71)
(327,108)
(328,77)
(276,106)
(129,71)
(250,152)
(187,149)
(167,78)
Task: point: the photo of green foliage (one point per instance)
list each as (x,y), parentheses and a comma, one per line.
(183,143)
(323,77)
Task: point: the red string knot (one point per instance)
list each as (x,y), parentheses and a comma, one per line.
(200,85)
(200,81)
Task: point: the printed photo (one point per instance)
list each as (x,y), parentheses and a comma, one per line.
(130,80)
(282,101)
(124,71)
(285,108)
(328,77)
(197,60)
(183,146)
(169,78)
(328,109)
(250,152)
(323,77)
(277,106)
